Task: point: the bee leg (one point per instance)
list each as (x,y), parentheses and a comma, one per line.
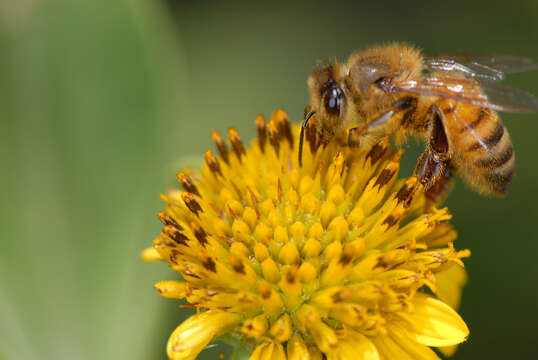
(440,189)
(433,168)
(353,137)
(429,168)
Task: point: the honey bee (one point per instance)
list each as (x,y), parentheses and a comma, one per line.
(448,101)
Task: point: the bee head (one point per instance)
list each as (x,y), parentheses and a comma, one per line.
(327,97)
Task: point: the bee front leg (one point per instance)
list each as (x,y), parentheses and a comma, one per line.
(433,168)
(353,136)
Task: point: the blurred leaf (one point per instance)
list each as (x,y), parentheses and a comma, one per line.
(87,90)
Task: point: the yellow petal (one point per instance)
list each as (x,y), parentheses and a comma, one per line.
(432,322)
(450,283)
(448,350)
(400,347)
(171,289)
(268,351)
(189,338)
(354,346)
(150,254)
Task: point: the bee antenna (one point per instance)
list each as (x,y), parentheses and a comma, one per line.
(301,137)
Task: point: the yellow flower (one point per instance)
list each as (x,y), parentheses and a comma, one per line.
(338,258)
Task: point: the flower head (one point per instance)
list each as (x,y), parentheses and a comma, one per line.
(337,257)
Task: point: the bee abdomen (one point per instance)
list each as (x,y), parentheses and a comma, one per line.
(500,182)
(487,159)
(491,140)
(495,162)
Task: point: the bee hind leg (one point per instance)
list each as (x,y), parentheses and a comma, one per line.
(436,177)
(440,189)
(434,170)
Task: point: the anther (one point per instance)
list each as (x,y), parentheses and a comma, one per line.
(237,265)
(291,275)
(347,256)
(393,218)
(387,174)
(274,135)
(406,192)
(199,233)
(254,201)
(341,296)
(191,203)
(260,125)
(235,142)
(283,123)
(265,291)
(212,162)
(378,150)
(220,144)
(173,233)
(208,263)
(167,220)
(187,183)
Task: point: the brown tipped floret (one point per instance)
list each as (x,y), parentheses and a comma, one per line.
(199,233)
(274,135)
(212,162)
(379,149)
(283,123)
(173,233)
(406,192)
(187,183)
(235,142)
(167,220)
(260,126)
(191,203)
(220,144)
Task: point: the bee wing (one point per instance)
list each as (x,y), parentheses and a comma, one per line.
(489,95)
(489,68)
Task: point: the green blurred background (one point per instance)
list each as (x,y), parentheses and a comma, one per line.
(101,101)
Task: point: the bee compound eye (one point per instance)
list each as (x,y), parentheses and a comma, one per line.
(333,99)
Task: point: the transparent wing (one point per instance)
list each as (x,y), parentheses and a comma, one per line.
(490,95)
(490,68)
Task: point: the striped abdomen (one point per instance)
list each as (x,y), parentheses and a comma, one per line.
(480,146)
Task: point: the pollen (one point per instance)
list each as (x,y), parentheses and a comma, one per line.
(337,258)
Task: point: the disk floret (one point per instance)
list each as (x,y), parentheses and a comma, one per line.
(333,257)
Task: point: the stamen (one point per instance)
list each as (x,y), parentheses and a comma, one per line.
(274,135)
(187,183)
(221,146)
(235,142)
(260,126)
(283,123)
(191,203)
(167,220)
(173,233)
(199,233)
(378,150)
(212,162)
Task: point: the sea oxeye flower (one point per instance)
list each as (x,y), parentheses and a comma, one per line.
(336,259)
